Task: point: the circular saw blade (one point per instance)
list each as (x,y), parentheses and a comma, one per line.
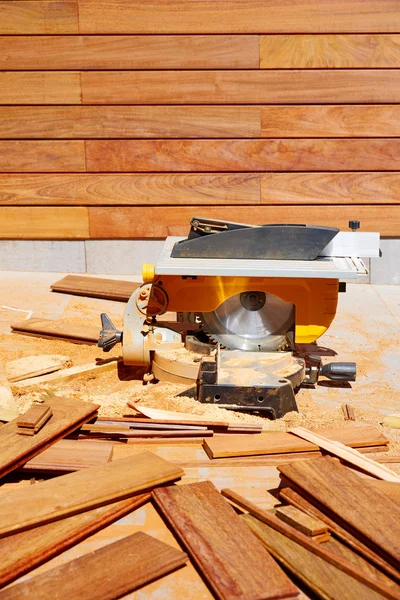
(236,324)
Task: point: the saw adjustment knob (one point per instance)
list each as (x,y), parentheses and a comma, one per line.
(354,225)
(109,334)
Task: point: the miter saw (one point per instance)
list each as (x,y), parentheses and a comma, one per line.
(258,292)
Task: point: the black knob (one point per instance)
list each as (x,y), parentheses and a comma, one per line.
(354,225)
(109,335)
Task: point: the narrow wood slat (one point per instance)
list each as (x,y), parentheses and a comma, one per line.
(68,414)
(39,156)
(54,328)
(328,51)
(104,574)
(149,222)
(244,16)
(236,155)
(227,555)
(49,223)
(77,492)
(51,122)
(33,415)
(329,188)
(308,525)
(330,121)
(20,16)
(95,287)
(367,510)
(39,87)
(280,442)
(241,87)
(128,189)
(129,52)
(24,551)
(67,456)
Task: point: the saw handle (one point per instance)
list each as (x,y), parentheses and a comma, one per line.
(339,371)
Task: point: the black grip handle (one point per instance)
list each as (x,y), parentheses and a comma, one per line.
(340,371)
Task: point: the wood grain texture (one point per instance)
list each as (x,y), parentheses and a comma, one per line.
(33,416)
(126,223)
(228,556)
(39,87)
(328,188)
(244,16)
(71,373)
(368,511)
(281,442)
(68,414)
(49,223)
(301,521)
(135,560)
(241,87)
(324,579)
(238,155)
(51,122)
(132,189)
(95,287)
(129,52)
(52,328)
(41,156)
(77,492)
(67,456)
(24,551)
(389,488)
(330,51)
(20,16)
(330,121)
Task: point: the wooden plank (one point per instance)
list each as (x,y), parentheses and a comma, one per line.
(39,87)
(330,121)
(132,189)
(24,551)
(245,16)
(51,122)
(323,578)
(70,494)
(32,366)
(315,51)
(295,499)
(236,155)
(33,420)
(227,555)
(383,586)
(95,287)
(368,511)
(301,521)
(67,456)
(48,223)
(148,424)
(390,488)
(135,560)
(330,188)
(70,374)
(53,328)
(20,16)
(281,442)
(68,414)
(120,223)
(45,156)
(350,455)
(129,52)
(241,87)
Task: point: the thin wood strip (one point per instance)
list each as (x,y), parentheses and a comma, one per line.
(36,17)
(310,526)
(95,287)
(319,86)
(135,561)
(71,373)
(24,551)
(135,189)
(315,548)
(148,222)
(58,329)
(296,499)
(39,87)
(82,490)
(232,561)
(68,414)
(45,156)
(130,52)
(348,454)
(33,415)
(245,16)
(337,51)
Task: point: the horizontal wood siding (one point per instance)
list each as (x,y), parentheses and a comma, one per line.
(123,119)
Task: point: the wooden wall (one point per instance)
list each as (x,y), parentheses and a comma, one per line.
(125,118)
